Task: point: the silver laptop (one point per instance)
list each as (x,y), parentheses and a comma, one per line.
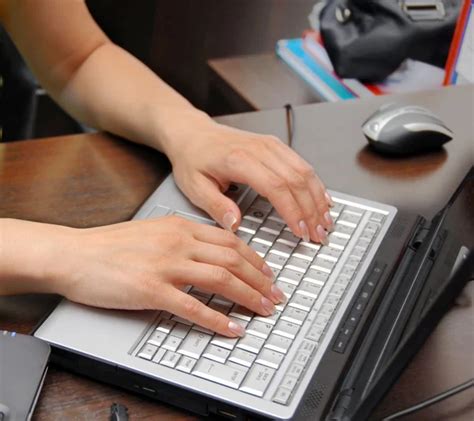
(357,310)
(268,370)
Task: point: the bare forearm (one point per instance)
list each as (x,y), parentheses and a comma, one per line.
(29,257)
(113,91)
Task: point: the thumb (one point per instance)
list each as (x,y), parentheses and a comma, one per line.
(222,209)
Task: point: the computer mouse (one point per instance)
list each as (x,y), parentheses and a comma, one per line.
(405,130)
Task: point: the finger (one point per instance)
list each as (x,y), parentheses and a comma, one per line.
(321,197)
(249,170)
(216,279)
(300,189)
(207,196)
(235,264)
(220,237)
(189,308)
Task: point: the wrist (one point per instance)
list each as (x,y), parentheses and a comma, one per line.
(30,257)
(176,128)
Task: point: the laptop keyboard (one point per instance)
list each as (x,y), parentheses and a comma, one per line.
(303,271)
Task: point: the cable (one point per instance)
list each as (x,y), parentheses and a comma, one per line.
(290,118)
(431,401)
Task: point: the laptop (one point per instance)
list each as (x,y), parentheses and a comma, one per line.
(351,322)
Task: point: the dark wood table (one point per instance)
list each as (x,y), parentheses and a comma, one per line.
(257,82)
(92,180)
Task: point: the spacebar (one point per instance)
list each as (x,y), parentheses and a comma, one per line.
(220,373)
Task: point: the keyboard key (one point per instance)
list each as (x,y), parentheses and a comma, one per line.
(294,315)
(242,357)
(282,249)
(306,253)
(327,310)
(282,396)
(147,352)
(295,370)
(323,265)
(157,338)
(216,353)
(348,271)
(298,264)
(289,382)
(251,343)
(308,346)
(337,208)
(287,329)
(337,241)
(353,210)
(349,218)
(250,227)
(287,237)
(260,249)
(170,359)
(224,341)
(172,343)
(313,246)
(278,343)
(330,252)
(244,236)
(345,230)
(270,358)
(180,320)
(194,344)
(257,380)
(241,312)
(159,355)
(377,217)
(275,260)
(316,276)
(255,214)
(166,326)
(180,330)
(269,319)
(264,237)
(303,302)
(287,288)
(272,226)
(220,373)
(260,329)
(315,333)
(292,276)
(186,364)
(309,288)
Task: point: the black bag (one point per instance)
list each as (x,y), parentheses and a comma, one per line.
(369,39)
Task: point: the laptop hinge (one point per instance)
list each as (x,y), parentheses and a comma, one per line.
(420,236)
(342,404)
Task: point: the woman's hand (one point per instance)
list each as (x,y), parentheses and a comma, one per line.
(141,265)
(207,156)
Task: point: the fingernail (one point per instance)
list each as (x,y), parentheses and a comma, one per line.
(329,221)
(236,328)
(278,294)
(329,199)
(304,230)
(267,271)
(323,235)
(268,305)
(229,220)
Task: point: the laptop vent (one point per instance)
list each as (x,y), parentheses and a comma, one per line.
(313,400)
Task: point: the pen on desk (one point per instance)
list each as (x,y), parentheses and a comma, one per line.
(289,123)
(118,412)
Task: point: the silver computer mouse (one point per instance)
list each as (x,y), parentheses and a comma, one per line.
(405,130)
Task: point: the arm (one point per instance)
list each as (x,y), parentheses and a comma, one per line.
(145,264)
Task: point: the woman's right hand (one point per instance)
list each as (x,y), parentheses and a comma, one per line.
(146,264)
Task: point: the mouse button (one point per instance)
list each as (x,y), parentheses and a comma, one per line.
(427,126)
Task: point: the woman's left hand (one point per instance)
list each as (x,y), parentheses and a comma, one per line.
(207,157)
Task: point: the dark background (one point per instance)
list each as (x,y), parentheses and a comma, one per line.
(173,37)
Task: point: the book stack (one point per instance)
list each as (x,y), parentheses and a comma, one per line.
(309,59)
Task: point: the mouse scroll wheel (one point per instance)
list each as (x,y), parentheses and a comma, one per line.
(375,126)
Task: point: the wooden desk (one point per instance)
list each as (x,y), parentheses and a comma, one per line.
(91,180)
(256,82)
